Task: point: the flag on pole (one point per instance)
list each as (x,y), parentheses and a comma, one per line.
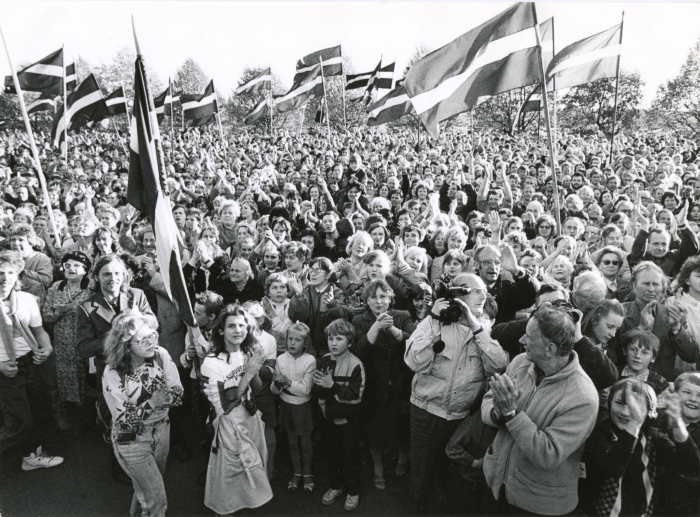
(45,102)
(332,62)
(164,102)
(116,102)
(321,111)
(367,96)
(145,192)
(262,81)
(257,112)
(547,40)
(384,80)
(86,103)
(45,76)
(499,55)
(170,101)
(71,78)
(587,60)
(392,106)
(307,86)
(533,102)
(200,109)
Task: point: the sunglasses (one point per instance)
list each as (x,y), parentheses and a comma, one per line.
(611,262)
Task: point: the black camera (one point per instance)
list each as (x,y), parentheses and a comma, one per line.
(442,289)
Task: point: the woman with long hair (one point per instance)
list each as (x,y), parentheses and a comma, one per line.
(103,244)
(140,385)
(236,476)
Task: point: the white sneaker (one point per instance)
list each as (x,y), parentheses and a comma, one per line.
(40,460)
(351,502)
(330,496)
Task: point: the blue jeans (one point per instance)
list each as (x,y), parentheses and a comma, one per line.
(144,462)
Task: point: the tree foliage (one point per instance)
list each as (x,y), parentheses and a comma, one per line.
(236,107)
(677,103)
(498,112)
(119,72)
(589,107)
(190,78)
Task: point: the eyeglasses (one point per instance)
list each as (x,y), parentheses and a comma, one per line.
(611,262)
(491,262)
(151,339)
(317,270)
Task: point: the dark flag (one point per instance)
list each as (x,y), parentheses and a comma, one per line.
(321,112)
(332,62)
(45,76)
(257,112)
(262,81)
(200,109)
(392,106)
(45,102)
(85,104)
(164,103)
(306,86)
(500,55)
(71,78)
(145,192)
(371,86)
(116,102)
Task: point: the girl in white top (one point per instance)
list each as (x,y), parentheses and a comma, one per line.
(292,381)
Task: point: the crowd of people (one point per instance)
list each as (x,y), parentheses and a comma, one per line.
(439,304)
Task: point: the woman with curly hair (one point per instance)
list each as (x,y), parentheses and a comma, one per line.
(140,384)
(103,244)
(236,476)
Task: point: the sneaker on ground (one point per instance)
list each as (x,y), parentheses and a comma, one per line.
(40,460)
(330,496)
(351,502)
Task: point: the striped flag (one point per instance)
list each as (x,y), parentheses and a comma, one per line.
(45,102)
(321,112)
(116,102)
(45,76)
(164,103)
(332,62)
(587,60)
(71,78)
(367,96)
(498,56)
(262,81)
(392,106)
(257,112)
(307,86)
(145,192)
(533,102)
(384,80)
(200,109)
(86,103)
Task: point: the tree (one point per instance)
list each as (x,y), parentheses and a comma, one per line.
(120,72)
(677,103)
(190,78)
(590,107)
(236,107)
(499,111)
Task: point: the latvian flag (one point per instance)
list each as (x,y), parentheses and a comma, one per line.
(587,60)
(71,78)
(533,102)
(116,102)
(45,102)
(45,76)
(321,112)
(308,85)
(164,103)
(392,106)
(145,192)
(498,56)
(262,81)
(384,80)
(332,62)
(86,103)
(367,96)
(200,109)
(257,112)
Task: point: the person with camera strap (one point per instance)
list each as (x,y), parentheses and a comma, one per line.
(452,356)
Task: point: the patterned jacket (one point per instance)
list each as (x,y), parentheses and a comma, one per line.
(342,401)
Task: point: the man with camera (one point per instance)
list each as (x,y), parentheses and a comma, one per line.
(452,356)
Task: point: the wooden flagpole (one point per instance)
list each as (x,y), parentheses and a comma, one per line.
(218,119)
(32,143)
(301,125)
(65,104)
(342,86)
(328,115)
(114,125)
(128,117)
(543,79)
(172,115)
(617,88)
(269,105)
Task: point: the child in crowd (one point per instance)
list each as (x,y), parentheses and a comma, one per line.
(276,305)
(641,348)
(293,381)
(340,383)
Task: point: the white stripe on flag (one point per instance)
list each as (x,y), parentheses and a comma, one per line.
(209,99)
(298,91)
(582,59)
(84,102)
(333,61)
(492,52)
(39,102)
(39,68)
(117,100)
(390,103)
(160,109)
(252,83)
(70,78)
(385,75)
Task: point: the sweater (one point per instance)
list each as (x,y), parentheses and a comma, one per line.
(341,402)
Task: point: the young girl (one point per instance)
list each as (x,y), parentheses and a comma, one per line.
(292,381)
(641,348)
(454,264)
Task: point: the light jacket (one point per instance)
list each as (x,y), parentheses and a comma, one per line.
(447,384)
(536,454)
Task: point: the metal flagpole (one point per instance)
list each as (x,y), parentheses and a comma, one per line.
(65,104)
(32,143)
(617,88)
(323,80)
(543,79)
(118,135)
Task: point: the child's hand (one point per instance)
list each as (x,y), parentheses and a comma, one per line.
(323,379)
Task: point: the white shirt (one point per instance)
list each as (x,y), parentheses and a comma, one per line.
(27,312)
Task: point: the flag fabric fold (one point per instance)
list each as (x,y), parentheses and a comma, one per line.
(371,86)
(332,62)
(307,86)
(499,55)
(164,103)
(321,112)
(200,109)
(533,102)
(71,78)
(45,102)
(384,81)
(85,104)
(116,102)
(392,106)
(587,60)
(44,76)
(262,81)
(257,112)
(145,192)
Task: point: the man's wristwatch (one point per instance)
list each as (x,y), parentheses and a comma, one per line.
(510,415)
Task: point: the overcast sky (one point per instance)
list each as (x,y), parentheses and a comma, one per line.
(224,37)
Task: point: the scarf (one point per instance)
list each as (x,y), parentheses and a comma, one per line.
(7,329)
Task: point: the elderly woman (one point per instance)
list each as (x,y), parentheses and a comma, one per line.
(610,261)
(140,384)
(236,283)
(60,308)
(383,333)
(559,271)
(236,477)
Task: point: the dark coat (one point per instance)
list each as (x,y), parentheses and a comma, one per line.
(513,295)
